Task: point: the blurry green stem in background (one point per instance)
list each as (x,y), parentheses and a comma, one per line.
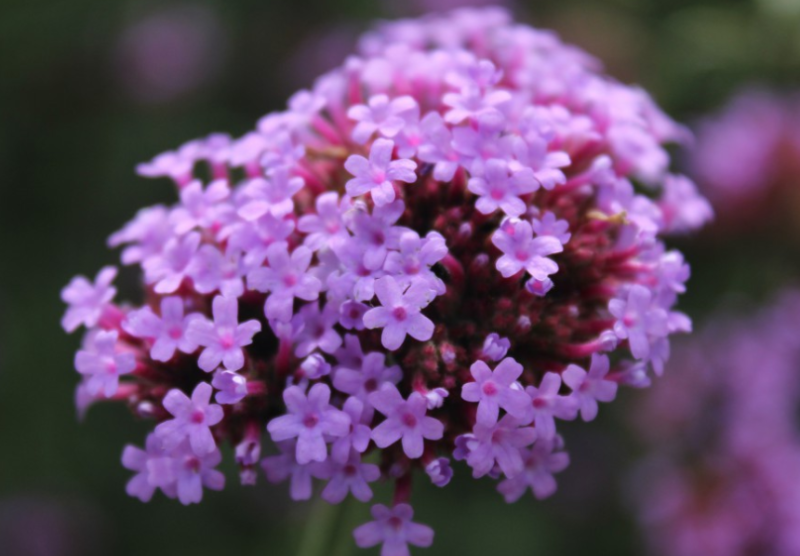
(328,530)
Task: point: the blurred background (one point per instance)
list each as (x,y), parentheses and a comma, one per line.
(89,88)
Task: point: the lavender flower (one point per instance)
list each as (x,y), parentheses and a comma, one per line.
(394,530)
(522,251)
(86,300)
(405,420)
(592,387)
(223,338)
(399,313)
(167,332)
(310,418)
(376,175)
(102,363)
(493,390)
(192,418)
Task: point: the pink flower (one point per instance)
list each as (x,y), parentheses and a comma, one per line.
(167,332)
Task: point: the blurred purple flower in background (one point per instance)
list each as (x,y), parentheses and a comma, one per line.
(721,479)
(747,155)
(170,52)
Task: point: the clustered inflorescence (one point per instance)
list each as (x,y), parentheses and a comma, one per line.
(443,247)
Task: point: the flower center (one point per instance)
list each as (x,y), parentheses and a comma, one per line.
(489,388)
(310,420)
(197,417)
(290,280)
(399,313)
(370,385)
(539,403)
(349,470)
(175,332)
(409,420)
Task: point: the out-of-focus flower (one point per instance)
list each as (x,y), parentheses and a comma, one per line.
(721,476)
(170,53)
(419,257)
(746,157)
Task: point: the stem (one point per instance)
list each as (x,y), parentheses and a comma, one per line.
(319,529)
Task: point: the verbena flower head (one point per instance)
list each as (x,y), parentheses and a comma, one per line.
(442,249)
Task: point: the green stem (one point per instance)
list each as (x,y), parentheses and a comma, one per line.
(319,528)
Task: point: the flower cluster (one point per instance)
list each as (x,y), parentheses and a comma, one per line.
(445,246)
(721,477)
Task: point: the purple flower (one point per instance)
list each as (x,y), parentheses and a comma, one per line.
(86,300)
(144,483)
(377,174)
(193,419)
(394,529)
(497,189)
(102,363)
(540,462)
(549,225)
(400,312)
(309,419)
(495,347)
(501,444)
(315,366)
(176,165)
(412,263)
(348,476)
(285,279)
(545,405)
(539,288)
(436,397)
(375,232)
(639,320)
(273,195)
(473,103)
(232,387)
(149,231)
(592,387)
(522,251)
(437,148)
(198,208)
(405,419)
(439,471)
(316,329)
(351,314)
(281,467)
(380,114)
(493,390)
(683,207)
(167,332)
(193,472)
(371,374)
(357,439)
(326,225)
(223,338)
(168,269)
(211,270)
